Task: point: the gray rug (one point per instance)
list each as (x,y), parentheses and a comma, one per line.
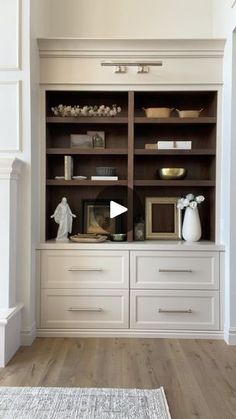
(82,403)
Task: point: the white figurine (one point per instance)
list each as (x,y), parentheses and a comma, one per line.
(63,216)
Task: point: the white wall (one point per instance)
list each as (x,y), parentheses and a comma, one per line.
(224,24)
(129,18)
(15,134)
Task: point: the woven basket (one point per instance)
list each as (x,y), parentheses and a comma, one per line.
(189,113)
(158,112)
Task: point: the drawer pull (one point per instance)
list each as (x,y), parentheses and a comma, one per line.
(176,270)
(85,269)
(85,309)
(161,310)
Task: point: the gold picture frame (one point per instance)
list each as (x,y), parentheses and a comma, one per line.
(163,218)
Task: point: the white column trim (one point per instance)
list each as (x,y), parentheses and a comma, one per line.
(10,168)
(10,323)
(230,335)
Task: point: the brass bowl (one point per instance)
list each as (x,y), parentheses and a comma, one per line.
(168,173)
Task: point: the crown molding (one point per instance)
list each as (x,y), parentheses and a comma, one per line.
(133,48)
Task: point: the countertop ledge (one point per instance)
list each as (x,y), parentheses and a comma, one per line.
(148,245)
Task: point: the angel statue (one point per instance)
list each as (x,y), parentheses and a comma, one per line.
(64,217)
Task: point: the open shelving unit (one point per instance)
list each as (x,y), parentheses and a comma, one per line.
(137,167)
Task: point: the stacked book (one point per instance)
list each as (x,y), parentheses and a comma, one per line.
(68,167)
(170,145)
(104,178)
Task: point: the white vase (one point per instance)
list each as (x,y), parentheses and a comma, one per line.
(191,230)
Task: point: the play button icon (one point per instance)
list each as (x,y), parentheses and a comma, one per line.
(116,209)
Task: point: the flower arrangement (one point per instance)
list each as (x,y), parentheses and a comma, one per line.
(190,201)
(77,110)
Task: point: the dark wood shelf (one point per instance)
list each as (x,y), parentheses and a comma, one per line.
(126,135)
(74,182)
(175,120)
(105,151)
(87,120)
(183,182)
(195,152)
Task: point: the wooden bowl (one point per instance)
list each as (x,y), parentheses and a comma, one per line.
(169,173)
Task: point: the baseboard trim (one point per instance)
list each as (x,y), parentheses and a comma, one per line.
(10,325)
(230,336)
(130,333)
(28,336)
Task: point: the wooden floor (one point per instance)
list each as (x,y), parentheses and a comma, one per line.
(199,376)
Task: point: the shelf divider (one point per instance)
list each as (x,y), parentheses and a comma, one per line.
(194,152)
(166,183)
(74,182)
(87,120)
(130,166)
(175,120)
(79,151)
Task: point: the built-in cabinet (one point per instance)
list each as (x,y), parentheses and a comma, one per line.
(154,288)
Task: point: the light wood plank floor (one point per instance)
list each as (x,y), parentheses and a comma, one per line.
(199,376)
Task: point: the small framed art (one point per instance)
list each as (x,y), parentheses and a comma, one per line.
(98,138)
(96,218)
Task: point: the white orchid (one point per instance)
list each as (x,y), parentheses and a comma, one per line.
(190,201)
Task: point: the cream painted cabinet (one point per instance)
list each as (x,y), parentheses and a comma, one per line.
(134,291)
(84,289)
(175,290)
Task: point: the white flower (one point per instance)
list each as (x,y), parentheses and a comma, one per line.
(185,202)
(180,205)
(199,199)
(190,196)
(193,204)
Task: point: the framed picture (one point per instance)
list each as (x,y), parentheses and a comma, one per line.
(163,218)
(98,138)
(96,218)
(81,141)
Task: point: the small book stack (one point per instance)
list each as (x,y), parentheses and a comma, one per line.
(104,178)
(68,167)
(173,145)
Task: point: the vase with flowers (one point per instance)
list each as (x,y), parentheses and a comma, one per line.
(191,230)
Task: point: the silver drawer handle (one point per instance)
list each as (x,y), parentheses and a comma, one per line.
(85,269)
(189,311)
(85,309)
(175,270)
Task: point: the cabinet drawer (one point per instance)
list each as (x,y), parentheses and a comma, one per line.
(71,309)
(85,269)
(175,270)
(194,310)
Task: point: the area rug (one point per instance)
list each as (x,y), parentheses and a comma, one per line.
(82,403)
